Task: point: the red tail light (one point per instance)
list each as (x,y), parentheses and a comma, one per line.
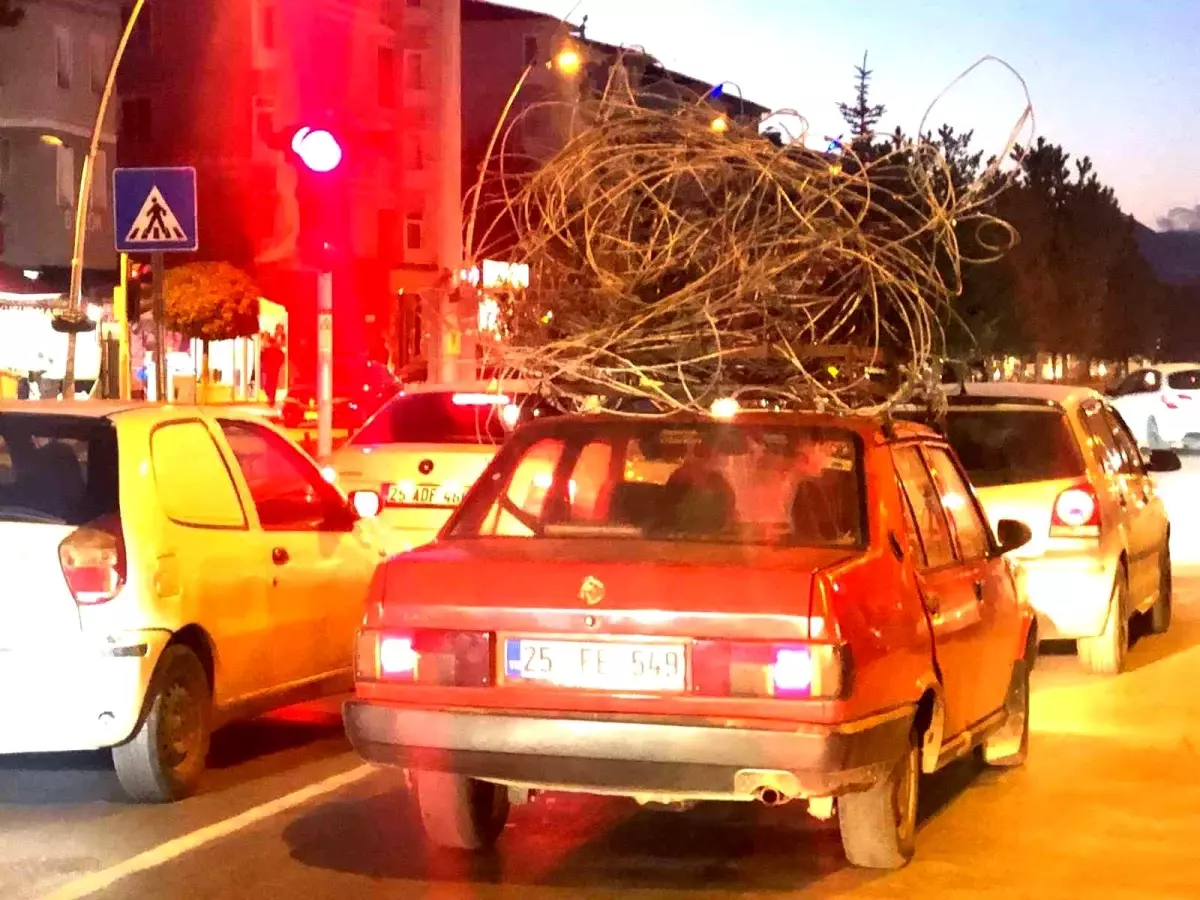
(425,656)
(1170,402)
(1076,513)
(797,670)
(93,561)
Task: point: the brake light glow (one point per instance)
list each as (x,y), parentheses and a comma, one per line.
(786,671)
(93,561)
(425,656)
(480,400)
(1076,513)
(792,671)
(397,658)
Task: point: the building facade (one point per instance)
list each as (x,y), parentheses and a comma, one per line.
(214,83)
(53,66)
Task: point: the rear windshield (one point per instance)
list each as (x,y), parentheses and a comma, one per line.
(1184,381)
(60,469)
(705,482)
(1005,446)
(446,417)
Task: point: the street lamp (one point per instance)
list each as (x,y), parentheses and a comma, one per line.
(568,61)
(720,125)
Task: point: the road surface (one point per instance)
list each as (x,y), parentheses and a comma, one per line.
(1109,805)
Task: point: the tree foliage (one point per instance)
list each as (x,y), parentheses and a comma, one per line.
(211,301)
(862,116)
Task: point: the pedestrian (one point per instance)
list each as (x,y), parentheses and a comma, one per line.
(270,363)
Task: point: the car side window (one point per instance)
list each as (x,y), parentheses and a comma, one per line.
(970,527)
(287,490)
(927,509)
(1131,457)
(518,510)
(1103,443)
(1143,381)
(194,485)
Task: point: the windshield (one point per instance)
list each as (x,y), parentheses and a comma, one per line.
(448,417)
(1014,446)
(746,484)
(60,469)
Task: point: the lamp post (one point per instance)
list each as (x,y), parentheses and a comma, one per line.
(75,319)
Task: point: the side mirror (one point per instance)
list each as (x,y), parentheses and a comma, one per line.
(366,503)
(1163,461)
(1012,535)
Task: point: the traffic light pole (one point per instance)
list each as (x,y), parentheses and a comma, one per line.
(157,269)
(324,365)
(121,315)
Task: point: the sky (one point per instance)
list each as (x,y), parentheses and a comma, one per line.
(1116,80)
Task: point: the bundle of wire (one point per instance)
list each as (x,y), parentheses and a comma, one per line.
(674,262)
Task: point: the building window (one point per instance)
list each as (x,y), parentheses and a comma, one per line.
(62,57)
(266,26)
(387,235)
(99,196)
(5,159)
(385,12)
(263,112)
(413,4)
(135,119)
(414,152)
(98,60)
(531,49)
(65,175)
(387,77)
(414,74)
(414,232)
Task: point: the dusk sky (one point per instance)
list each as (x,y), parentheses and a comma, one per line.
(1118,80)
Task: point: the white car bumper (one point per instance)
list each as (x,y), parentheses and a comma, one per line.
(82,695)
(1070,593)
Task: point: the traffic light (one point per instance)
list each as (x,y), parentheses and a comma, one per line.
(316,148)
(138,282)
(316,154)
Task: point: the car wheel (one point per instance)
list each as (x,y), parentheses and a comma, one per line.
(1105,653)
(164,759)
(460,813)
(879,825)
(1153,439)
(1160,612)
(1008,747)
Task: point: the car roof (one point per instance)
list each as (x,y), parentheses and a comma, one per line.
(494,386)
(96,409)
(1169,368)
(1017,391)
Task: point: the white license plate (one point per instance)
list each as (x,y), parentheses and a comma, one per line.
(422,495)
(597,665)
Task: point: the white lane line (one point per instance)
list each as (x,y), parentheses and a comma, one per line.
(173,849)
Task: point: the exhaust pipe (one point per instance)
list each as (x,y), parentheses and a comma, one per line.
(769,796)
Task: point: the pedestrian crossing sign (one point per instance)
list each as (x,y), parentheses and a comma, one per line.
(154,210)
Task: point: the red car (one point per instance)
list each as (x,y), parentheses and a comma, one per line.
(777,607)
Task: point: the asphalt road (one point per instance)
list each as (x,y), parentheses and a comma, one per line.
(1109,805)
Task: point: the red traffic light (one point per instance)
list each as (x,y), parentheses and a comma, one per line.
(317,149)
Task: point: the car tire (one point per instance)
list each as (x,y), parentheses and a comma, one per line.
(1153,438)
(460,813)
(1160,613)
(879,825)
(1105,653)
(164,760)
(1008,747)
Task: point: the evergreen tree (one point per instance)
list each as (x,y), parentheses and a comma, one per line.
(862,116)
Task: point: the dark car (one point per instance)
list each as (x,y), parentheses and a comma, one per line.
(359,389)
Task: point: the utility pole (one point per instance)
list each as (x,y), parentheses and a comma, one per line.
(324,365)
(121,302)
(157,276)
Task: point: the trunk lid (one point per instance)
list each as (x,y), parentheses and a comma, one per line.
(36,608)
(1031,503)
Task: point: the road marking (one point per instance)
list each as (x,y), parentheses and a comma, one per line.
(173,849)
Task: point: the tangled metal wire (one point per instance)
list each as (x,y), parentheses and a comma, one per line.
(674,262)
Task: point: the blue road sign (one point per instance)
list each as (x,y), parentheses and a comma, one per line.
(154,210)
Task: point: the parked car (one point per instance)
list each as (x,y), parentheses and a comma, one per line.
(779,607)
(420,453)
(177,570)
(1161,405)
(1061,460)
(359,389)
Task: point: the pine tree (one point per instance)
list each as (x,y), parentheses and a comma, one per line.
(10,14)
(862,117)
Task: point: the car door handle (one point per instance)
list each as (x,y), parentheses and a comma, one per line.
(933,603)
(279,556)
(978,587)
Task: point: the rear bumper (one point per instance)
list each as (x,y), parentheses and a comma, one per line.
(1070,593)
(77,696)
(631,758)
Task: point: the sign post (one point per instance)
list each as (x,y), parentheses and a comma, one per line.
(154,211)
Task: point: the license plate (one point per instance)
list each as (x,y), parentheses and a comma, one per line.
(597,665)
(422,495)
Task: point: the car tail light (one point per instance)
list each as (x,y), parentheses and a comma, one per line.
(480,399)
(1076,513)
(425,656)
(1170,402)
(794,670)
(93,561)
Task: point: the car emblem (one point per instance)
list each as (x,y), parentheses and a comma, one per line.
(425,466)
(591,591)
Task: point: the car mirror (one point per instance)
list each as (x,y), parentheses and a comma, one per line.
(1012,535)
(365,503)
(1163,461)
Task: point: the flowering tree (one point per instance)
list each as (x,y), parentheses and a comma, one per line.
(210,301)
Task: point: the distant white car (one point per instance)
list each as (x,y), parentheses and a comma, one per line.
(1059,459)
(1161,404)
(165,571)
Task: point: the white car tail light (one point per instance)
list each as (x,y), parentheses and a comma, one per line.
(93,561)
(1076,513)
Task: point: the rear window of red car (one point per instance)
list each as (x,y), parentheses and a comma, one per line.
(708,482)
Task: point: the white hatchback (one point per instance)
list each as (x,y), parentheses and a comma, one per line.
(1161,404)
(168,570)
(1059,459)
